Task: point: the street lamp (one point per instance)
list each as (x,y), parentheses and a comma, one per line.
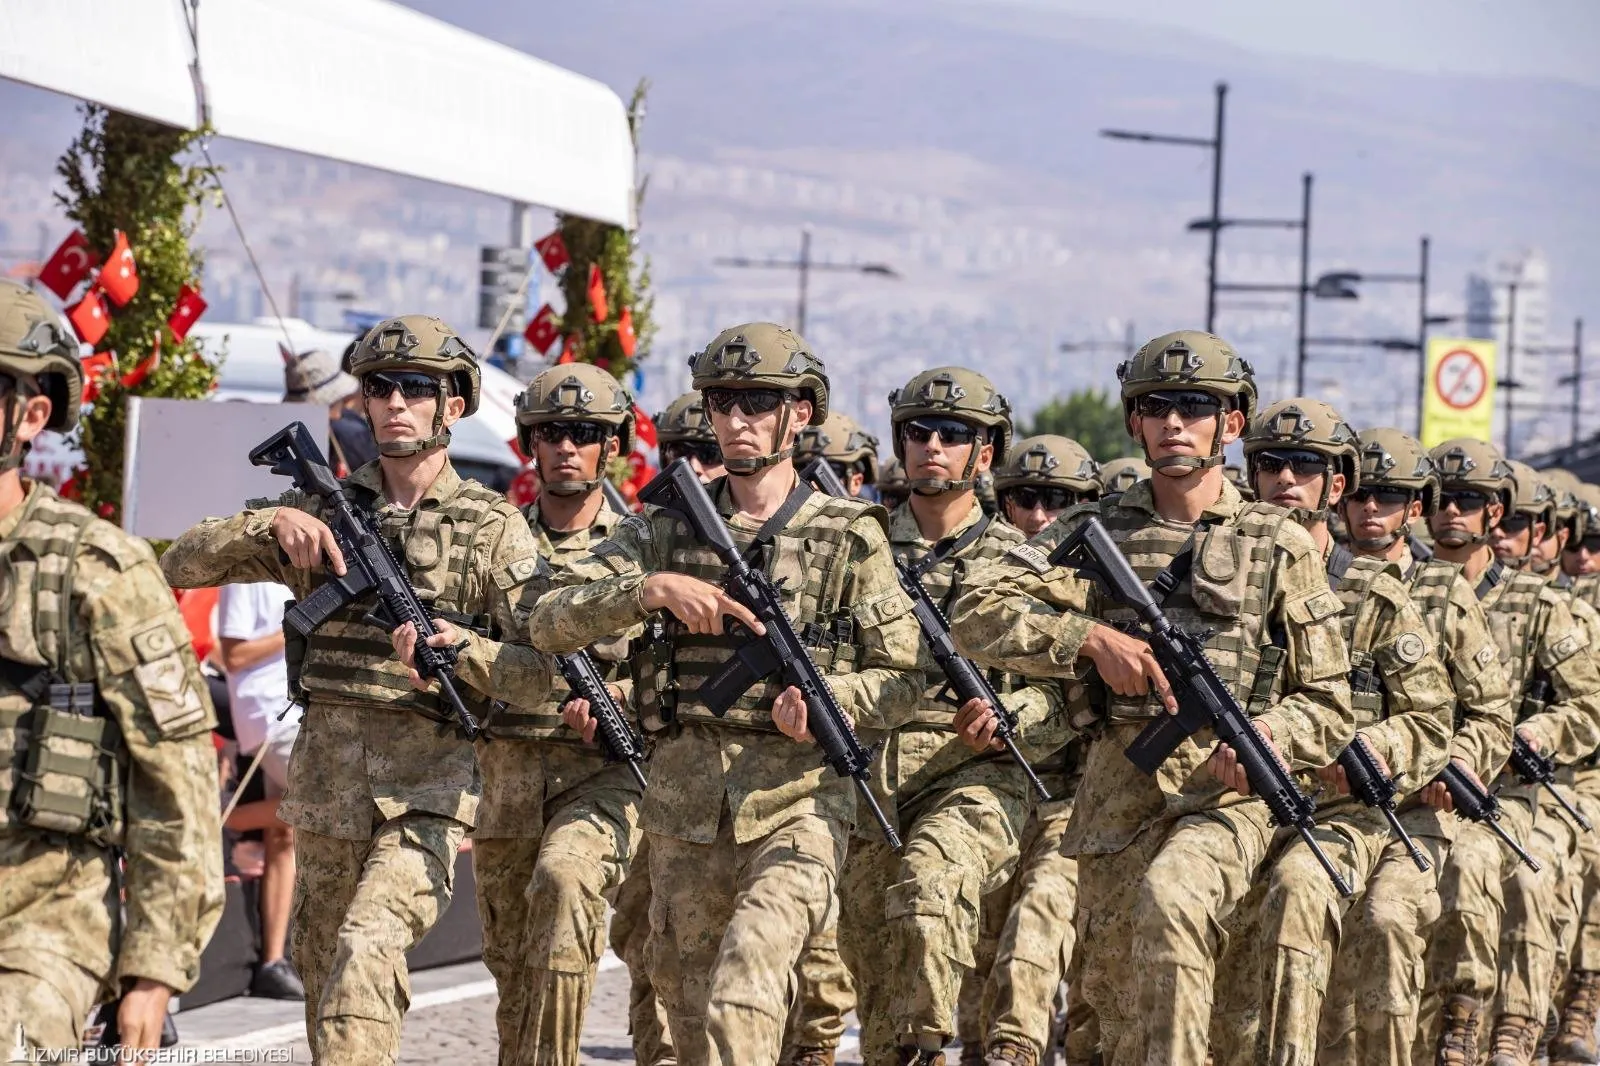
(805,266)
(1214,145)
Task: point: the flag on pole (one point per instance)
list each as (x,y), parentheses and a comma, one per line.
(68,265)
(553,251)
(597,294)
(88,316)
(119,278)
(190,306)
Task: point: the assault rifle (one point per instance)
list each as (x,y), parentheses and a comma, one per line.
(1479,805)
(1536,768)
(620,742)
(779,650)
(964,680)
(614,497)
(369,566)
(1370,785)
(1204,699)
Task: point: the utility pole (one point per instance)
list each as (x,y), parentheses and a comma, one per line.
(804,266)
(1577,374)
(805,278)
(1510,383)
(1422,335)
(1305,284)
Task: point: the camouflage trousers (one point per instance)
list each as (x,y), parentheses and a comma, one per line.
(1151,930)
(630,932)
(1586,949)
(908,926)
(359,906)
(1540,916)
(542,905)
(824,994)
(727,925)
(1374,998)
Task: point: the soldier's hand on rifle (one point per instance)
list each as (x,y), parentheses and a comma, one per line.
(575,712)
(404,640)
(1335,778)
(1529,739)
(976,723)
(1224,763)
(699,605)
(789,714)
(306,540)
(1127,665)
(1436,795)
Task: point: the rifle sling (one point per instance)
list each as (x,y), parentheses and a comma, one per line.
(777,523)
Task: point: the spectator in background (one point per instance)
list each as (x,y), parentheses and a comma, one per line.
(316,377)
(250,631)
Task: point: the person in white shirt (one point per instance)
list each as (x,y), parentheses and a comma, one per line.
(250,637)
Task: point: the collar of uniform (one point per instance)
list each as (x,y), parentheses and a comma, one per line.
(1406,560)
(604,521)
(370,478)
(903,527)
(1141,497)
(13,521)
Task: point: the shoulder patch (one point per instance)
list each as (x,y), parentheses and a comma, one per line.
(1031,557)
(1323,605)
(1486,655)
(1410,648)
(1566,647)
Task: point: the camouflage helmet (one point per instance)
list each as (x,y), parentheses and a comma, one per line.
(1465,463)
(575,392)
(762,354)
(1119,475)
(952,392)
(1531,494)
(839,439)
(36,346)
(1049,459)
(1305,424)
(892,477)
(1564,483)
(1189,359)
(421,344)
(685,420)
(1393,459)
(1588,518)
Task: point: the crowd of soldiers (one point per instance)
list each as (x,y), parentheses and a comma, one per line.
(1433,608)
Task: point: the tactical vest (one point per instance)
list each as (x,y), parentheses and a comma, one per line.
(1514,614)
(944,582)
(65,756)
(1358,624)
(350,660)
(1431,582)
(809,564)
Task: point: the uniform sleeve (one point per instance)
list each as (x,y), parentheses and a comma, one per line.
(1313,722)
(603,594)
(1415,736)
(222,551)
(884,688)
(152,685)
(510,669)
(1482,687)
(1043,725)
(1569,728)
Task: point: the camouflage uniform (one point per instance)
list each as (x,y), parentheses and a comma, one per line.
(746,829)
(380,795)
(1163,860)
(130,779)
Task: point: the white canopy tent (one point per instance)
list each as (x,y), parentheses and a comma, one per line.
(363,81)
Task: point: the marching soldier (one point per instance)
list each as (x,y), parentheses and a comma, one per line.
(110,847)
(849,449)
(1044,476)
(557,824)
(380,794)
(747,831)
(683,431)
(1120,475)
(892,486)
(1163,860)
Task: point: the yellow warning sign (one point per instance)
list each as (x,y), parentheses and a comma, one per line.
(1460,397)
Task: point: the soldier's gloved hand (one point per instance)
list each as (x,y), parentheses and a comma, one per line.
(699,605)
(575,712)
(1126,664)
(789,714)
(1437,796)
(404,640)
(142,1012)
(306,540)
(1224,763)
(976,724)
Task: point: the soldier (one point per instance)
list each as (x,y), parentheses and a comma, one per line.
(683,431)
(1556,692)
(851,450)
(1373,1004)
(1119,475)
(110,847)
(1303,456)
(892,487)
(1581,559)
(1043,477)
(1163,860)
(909,927)
(1240,476)
(746,830)
(557,824)
(380,793)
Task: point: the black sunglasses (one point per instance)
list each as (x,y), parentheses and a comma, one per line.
(950,431)
(1189,405)
(381,384)
(1590,544)
(750,401)
(579,433)
(1050,498)
(706,453)
(1464,500)
(1304,464)
(1515,523)
(1384,495)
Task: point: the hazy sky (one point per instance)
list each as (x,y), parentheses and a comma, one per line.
(1555,38)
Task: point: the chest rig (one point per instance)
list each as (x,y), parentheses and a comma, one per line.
(1430,582)
(1358,624)
(1511,601)
(65,758)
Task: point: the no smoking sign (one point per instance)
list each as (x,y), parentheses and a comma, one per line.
(1460,379)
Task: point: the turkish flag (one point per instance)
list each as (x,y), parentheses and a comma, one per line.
(543,330)
(90,318)
(68,265)
(190,306)
(625,334)
(94,368)
(142,370)
(643,428)
(597,294)
(120,276)
(553,251)
(524,488)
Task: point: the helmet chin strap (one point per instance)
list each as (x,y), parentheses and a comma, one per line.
(1190,462)
(744,467)
(398,449)
(577,488)
(934,486)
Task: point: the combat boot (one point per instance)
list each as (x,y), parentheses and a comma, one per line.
(1007,1053)
(811,1056)
(1575,1040)
(1514,1041)
(1458,1043)
(912,1056)
(1552,1024)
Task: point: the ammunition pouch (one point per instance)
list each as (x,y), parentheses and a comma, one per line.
(67,779)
